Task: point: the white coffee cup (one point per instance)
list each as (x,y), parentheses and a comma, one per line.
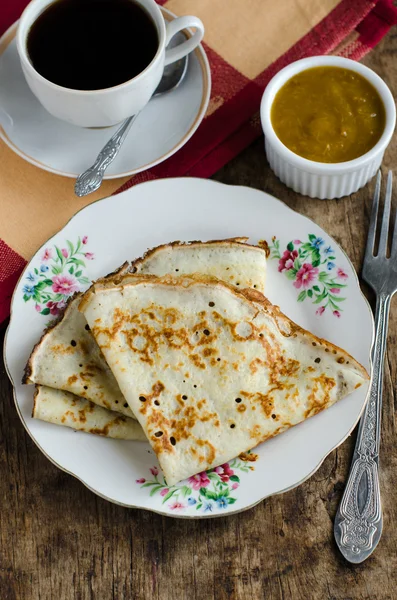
(105,107)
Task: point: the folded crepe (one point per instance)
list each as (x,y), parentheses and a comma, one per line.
(211,372)
(67,356)
(63,408)
(233,261)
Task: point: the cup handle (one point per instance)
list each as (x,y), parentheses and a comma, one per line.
(181,50)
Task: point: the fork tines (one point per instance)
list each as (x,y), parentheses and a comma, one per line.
(384,232)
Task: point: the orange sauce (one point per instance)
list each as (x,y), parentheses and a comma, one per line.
(328,114)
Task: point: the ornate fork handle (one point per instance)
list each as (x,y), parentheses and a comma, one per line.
(358,523)
(91,179)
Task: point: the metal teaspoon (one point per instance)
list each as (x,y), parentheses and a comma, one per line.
(91,179)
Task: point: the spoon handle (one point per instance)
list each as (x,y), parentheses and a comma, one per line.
(91,179)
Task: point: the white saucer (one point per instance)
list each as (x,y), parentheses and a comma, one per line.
(163,127)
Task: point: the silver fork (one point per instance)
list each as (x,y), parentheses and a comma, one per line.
(358,522)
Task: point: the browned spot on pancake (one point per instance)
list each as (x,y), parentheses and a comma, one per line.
(171,315)
(74,402)
(254,364)
(341,360)
(70,414)
(119,318)
(265,400)
(181,428)
(265,246)
(284,368)
(158,422)
(243,338)
(204,336)
(248,456)
(202,314)
(187,375)
(61,349)
(98,321)
(150,399)
(273,352)
(357,385)
(255,432)
(316,403)
(196,360)
(209,351)
(150,345)
(210,451)
(310,369)
(242,408)
(106,428)
(232,326)
(72,379)
(177,338)
(179,399)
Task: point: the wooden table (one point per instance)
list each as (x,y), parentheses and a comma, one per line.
(58,541)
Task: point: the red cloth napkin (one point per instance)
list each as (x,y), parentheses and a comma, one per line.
(348,28)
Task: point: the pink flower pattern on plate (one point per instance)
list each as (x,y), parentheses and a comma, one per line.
(341,274)
(287,260)
(203,492)
(177,506)
(198,481)
(224,472)
(305,276)
(56,307)
(47,254)
(58,275)
(65,284)
(311,267)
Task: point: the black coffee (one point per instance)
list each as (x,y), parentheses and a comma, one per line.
(92,44)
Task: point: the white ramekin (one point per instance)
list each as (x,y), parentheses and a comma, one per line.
(324,180)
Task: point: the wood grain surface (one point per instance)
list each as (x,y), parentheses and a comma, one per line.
(58,541)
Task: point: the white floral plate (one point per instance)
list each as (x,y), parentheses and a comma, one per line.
(309,277)
(163,127)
